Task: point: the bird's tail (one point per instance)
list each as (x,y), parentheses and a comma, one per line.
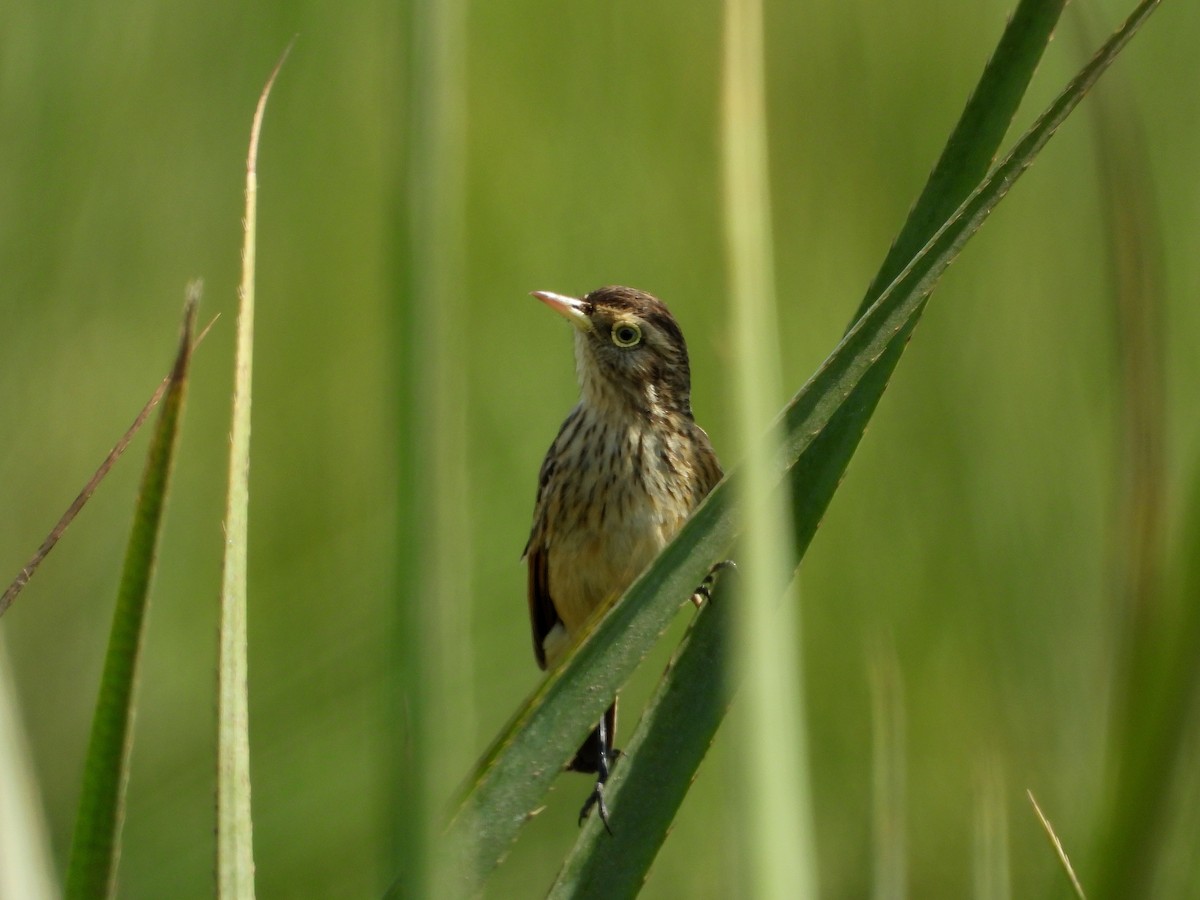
(587,757)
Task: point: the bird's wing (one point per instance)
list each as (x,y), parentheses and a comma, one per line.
(542,615)
(708,467)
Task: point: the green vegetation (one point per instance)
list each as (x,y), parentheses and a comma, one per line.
(977,608)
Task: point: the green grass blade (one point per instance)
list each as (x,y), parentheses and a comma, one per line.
(433,659)
(966,158)
(889,783)
(92,869)
(235,835)
(81,499)
(527,755)
(969,152)
(773,816)
(688,704)
(1145,732)
(1133,840)
(976,137)
(815,480)
(26,868)
(991,866)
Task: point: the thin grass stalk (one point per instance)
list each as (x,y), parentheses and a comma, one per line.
(82,498)
(1179,739)
(1146,733)
(991,868)
(235,828)
(777,832)
(96,844)
(436,682)
(1157,762)
(1056,843)
(889,776)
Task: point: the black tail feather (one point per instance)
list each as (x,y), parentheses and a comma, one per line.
(589,755)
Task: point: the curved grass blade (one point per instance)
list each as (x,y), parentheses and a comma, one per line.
(92,869)
(526,757)
(235,835)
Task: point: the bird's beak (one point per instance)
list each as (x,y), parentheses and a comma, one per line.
(574,311)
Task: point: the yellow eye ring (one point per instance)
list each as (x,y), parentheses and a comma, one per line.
(626,334)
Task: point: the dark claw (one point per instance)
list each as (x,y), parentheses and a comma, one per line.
(597,800)
(602,771)
(704,592)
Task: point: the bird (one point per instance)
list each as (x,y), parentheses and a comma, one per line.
(628,466)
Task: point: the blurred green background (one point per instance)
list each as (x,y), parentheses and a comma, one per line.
(970,545)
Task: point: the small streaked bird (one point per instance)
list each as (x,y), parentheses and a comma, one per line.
(628,466)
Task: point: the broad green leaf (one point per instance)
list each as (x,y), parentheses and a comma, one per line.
(92,869)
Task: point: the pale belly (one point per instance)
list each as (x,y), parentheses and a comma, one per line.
(617,497)
(590,569)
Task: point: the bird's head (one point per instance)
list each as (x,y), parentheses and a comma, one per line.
(629,352)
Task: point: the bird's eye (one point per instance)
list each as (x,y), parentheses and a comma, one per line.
(626,334)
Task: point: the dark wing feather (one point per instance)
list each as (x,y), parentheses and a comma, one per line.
(542,616)
(708,467)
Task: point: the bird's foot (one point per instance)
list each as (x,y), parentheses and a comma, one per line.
(604,763)
(597,800)
(704,592)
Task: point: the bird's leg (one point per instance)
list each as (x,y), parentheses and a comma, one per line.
(603,766)
(704,592)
